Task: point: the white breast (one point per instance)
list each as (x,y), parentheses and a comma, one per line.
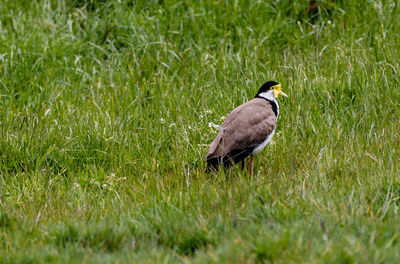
(260,146)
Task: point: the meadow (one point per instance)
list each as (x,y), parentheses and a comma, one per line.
(105,109)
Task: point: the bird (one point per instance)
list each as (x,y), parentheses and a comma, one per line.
(247,129)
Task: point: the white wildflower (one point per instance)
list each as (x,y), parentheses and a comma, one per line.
(217,127)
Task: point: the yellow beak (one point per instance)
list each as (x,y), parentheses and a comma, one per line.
(282,93)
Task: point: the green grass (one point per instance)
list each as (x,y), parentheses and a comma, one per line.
(104,112)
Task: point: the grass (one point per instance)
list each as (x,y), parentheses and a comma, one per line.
(104,112)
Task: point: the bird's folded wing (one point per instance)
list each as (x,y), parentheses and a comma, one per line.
(246,126)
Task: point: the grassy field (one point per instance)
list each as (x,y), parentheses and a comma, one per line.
(104,126)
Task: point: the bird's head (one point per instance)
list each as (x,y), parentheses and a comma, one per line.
(271,87)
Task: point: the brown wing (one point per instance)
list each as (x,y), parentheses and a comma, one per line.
(246,126)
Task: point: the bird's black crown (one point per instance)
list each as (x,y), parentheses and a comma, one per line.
(266,86)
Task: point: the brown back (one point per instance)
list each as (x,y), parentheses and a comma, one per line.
(246,126)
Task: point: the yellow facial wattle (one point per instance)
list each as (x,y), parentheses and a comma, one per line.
(277,91)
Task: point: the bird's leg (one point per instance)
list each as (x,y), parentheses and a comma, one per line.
(242,164)
(251,165)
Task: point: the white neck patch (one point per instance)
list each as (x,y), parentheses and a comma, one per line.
(269,95)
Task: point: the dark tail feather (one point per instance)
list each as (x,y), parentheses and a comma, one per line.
(214,163)
(228,160)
